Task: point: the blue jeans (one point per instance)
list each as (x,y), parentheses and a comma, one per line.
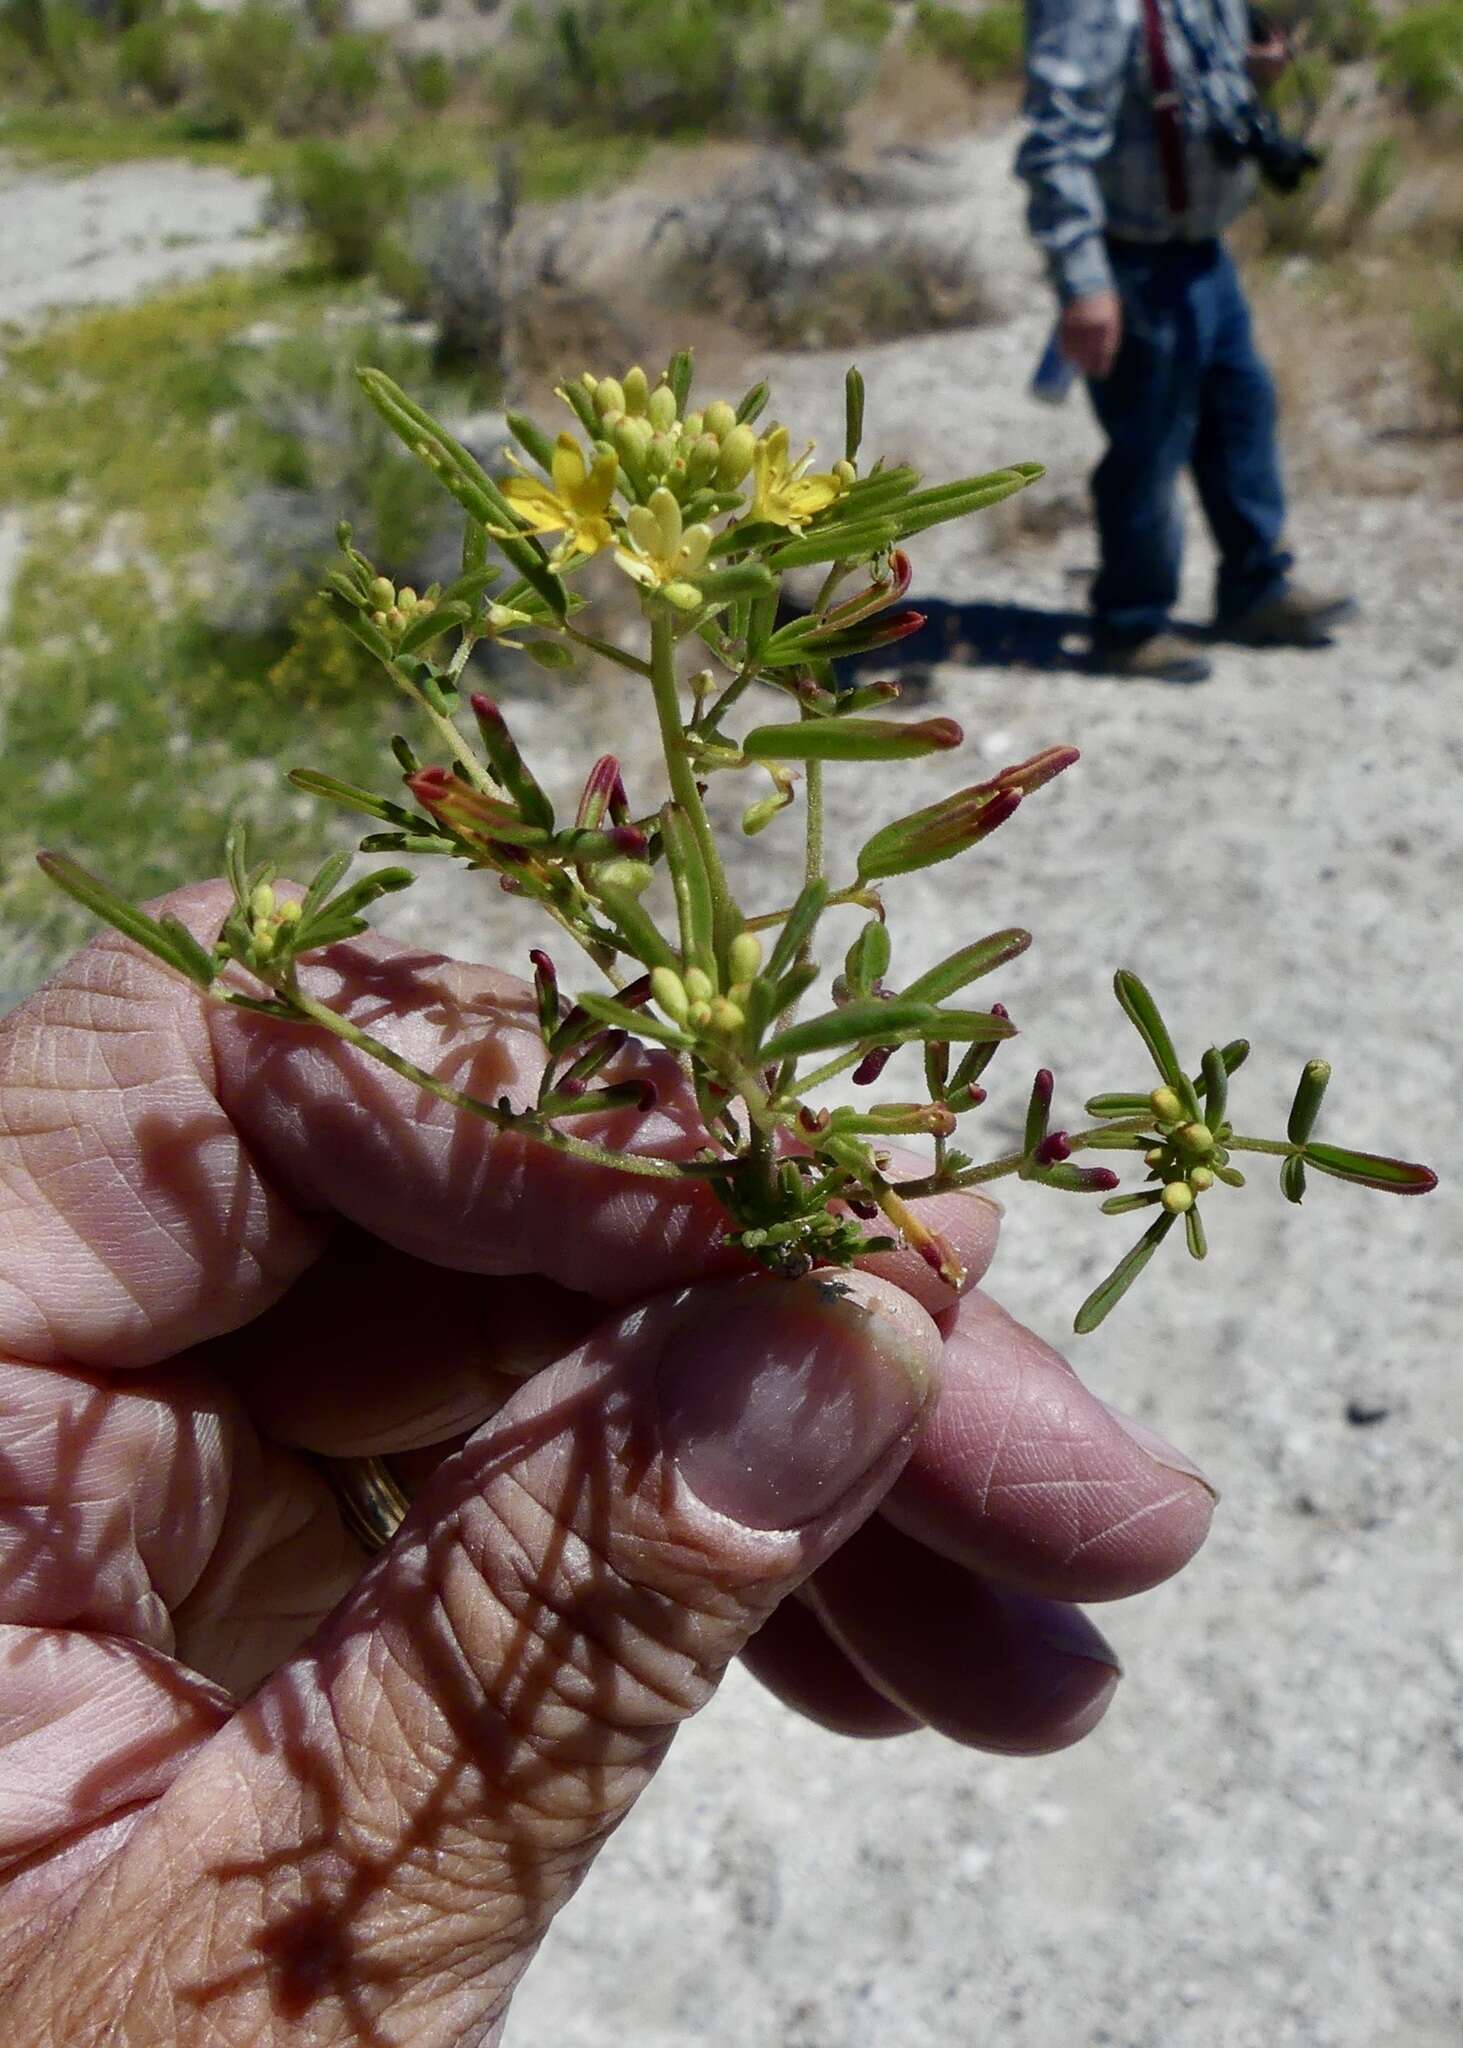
(1188,390)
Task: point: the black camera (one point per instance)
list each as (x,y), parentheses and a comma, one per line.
(1284,160)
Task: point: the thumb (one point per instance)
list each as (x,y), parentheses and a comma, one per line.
(374,1846)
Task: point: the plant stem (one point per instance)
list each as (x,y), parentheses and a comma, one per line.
(1279,1148)
(520,1123)
(678,761)
(456,744)
(608,650)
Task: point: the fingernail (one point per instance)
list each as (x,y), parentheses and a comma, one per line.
(777,1397)
(980,1195)
(1068,1631)
(1159,1449)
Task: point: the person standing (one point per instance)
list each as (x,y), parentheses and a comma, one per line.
(1134,173)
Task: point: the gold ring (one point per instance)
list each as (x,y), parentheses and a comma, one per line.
(372,1503)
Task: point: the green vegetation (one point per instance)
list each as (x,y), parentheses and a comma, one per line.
(1422,58)
(136,712)
(1440,341)
(985,47)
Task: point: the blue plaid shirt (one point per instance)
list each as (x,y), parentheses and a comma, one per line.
(1090,157)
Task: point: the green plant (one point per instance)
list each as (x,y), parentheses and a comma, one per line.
(1440,340)
(345,199)
(986,47)
(343,76)
(430,80)
(1343,30)
(153,58)
(706,514)
(250,66)
(1422,57)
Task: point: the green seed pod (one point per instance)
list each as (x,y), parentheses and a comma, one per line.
(703,461)
(637,390)
(720,418)
(744,957)
(738,450)
(661,408)
(670,993)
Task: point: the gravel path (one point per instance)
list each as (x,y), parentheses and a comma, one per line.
(113,235)
(1260,1847)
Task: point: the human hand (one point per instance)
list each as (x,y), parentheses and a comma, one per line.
(253,1788)
(1091,332)
(1267,59)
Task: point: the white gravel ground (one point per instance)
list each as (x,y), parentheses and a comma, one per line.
(1261,1846)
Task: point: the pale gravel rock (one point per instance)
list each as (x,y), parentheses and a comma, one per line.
(110,236)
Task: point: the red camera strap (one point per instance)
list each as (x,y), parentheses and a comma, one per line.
(1166,106)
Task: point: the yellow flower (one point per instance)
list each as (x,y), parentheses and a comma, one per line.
(783,495)
(662,554)
(574,504)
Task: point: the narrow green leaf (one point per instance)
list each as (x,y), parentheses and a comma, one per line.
(754,402)
(194,959)
(1194,1232)
(846,541)
(853,414)
(1293,1178)
(867,961)
(1124,1205)
(893,1023)
(635,924)
(1306,1107)
(429,626)
(640,1023)
(532,439)
(679,372)
(1142,1012)
(326,877)
(1105,1297)
(851,739)
(1118,1105)
(1372,1170)
(968,965)
(359,627)
(350,798)
(474,551)
(695,905)
(104,902)
(797,929)
(1215,1085)
(236,858)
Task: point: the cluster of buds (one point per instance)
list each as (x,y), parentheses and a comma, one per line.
(655,441)
(269,918)
(690,999)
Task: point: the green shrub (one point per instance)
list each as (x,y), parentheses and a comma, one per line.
(677,66)
(341,81)
(1440,343)
(985,47)
(345,200)
(1343,30)
(429,79)
(1422,57)
(153,59)
(251,66)
(56,42)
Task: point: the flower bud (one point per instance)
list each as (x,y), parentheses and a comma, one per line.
(635,876)
(719,418)
(379,619)
(288,913)
(684,596)
(395,619)
(1195,1138)
(660,454)
(406,599)
(261,902)
(738,450)
(662,408)
(845,473)
(700,1015)
(1200,1178)
(383,592)
(1177,1197)
(670,994)
(701,464)
(637,390)
(697,985)
(744,956)
(1155,1156)
(609,396)
(1166,1105)
(726,1015)
(632,437)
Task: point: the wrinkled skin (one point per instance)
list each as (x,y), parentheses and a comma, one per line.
(258,1789)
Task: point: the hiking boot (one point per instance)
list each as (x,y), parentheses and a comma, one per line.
(1293,617)
(1158,658)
